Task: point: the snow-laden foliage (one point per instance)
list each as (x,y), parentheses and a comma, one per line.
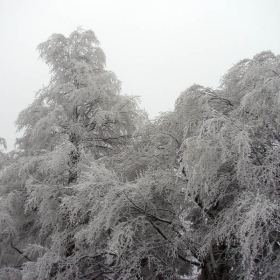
(3,156)
(82,104)
(78,118)
(230,158)
(97,191)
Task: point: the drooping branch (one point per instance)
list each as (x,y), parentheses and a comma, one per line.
(127,102)
(177,142)
(228,102)
(166,238)
(275,73)
(257,156)
(107,268)
(95,256)
(143,211)
(150,218)
(19,251)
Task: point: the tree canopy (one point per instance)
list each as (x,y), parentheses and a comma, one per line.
(95,190)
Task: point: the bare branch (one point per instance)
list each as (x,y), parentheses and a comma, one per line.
(19,251)
(148,215)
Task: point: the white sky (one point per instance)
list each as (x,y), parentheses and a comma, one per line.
(157,48)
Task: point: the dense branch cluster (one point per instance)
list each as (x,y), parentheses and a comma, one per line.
(95,190)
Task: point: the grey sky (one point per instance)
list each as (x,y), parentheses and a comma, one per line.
(157,48)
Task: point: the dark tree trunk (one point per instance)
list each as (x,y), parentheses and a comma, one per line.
(215,266)
(73,173)
(220,273)
(74,159)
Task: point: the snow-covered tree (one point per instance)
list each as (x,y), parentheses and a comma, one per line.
(96,191)
(230,159)
(78,118)
(81,109)
(201,185)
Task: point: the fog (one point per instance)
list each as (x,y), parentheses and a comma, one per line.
(156,48)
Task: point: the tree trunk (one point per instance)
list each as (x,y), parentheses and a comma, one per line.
(220,273)
(74,159)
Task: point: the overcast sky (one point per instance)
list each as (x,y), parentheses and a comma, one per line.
(157,48)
